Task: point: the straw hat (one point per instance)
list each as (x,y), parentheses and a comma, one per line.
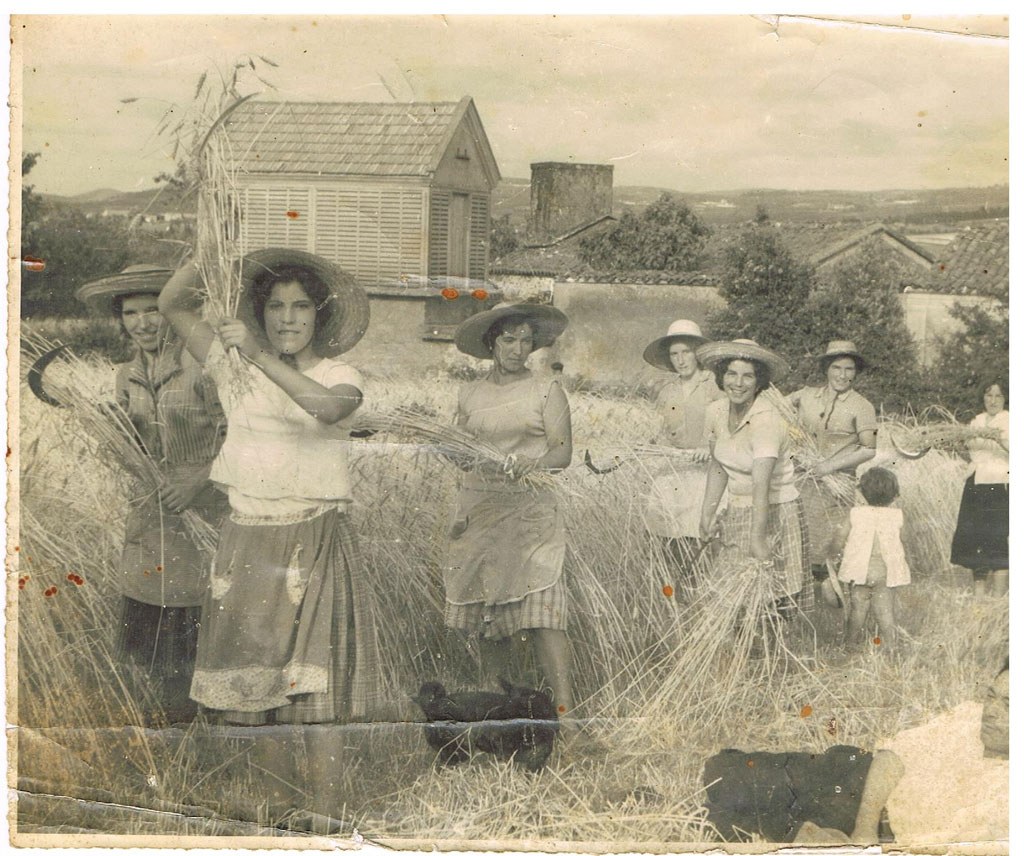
(743,349)
(134,279)
(838,348)
(547,321)
(682,330)
(347,309)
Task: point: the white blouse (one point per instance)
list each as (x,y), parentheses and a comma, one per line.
(274,449)
(991,461)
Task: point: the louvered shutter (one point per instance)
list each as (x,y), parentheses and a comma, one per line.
(275,216)
(437,263)
(374,233)
(479,235)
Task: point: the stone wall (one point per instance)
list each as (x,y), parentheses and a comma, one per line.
(566,195)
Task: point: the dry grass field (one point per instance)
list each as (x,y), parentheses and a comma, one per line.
(86,764)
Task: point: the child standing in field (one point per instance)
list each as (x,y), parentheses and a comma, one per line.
(873,560)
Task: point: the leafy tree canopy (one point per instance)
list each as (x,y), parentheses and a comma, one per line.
(666,236)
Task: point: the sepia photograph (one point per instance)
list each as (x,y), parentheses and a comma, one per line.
(578,433)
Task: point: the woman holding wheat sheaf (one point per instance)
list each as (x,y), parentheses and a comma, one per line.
(504,576)
(843,423)
(287,632)
(981,541)
(750,455)
(178,422)
(673,509)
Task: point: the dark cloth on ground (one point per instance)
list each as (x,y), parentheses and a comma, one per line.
(771,794)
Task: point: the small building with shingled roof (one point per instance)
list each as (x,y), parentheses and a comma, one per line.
(395,193)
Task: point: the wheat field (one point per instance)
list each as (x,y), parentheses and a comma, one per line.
(657,697)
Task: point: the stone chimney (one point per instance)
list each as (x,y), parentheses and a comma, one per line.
(564,196)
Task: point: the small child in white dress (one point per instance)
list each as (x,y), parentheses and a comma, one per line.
(873,559)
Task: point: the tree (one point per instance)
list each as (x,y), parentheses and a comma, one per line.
(765,290)
(666,236)
(972,356)
(504,239)
(858,299)
(75,249)
(31,203)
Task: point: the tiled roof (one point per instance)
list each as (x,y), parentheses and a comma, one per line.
(834,249)
(343,138)
(977,261)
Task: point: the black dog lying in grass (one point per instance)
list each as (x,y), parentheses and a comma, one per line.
(520,724)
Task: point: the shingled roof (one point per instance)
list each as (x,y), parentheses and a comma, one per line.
(977,261)
(351,138)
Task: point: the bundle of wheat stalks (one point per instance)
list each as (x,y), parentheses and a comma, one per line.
(445,439)
(807,452)
(936,428)
(209,166)
(76,385)
(731,639)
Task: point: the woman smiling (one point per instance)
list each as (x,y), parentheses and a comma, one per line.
(749,444)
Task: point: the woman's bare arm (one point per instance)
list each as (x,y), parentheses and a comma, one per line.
(558,430)
(179,303)
(326,405)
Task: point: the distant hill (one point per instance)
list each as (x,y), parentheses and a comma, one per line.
(159,200)
(512,198)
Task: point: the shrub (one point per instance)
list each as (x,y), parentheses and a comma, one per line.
(766,292)
(972,356)
(92,335)
(666,236)
(858,299)
(504,239)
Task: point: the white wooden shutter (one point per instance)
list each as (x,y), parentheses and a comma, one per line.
(374,233)
(276,216)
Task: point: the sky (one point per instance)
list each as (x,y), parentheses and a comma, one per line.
(689,103)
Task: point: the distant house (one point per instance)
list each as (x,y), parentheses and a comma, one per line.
(397,194)
(875,231)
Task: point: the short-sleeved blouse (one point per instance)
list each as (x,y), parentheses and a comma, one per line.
(274,449)
(682,405)
(836,420)
(991,461)
(763,433)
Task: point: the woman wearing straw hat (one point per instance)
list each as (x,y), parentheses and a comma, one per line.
(749,442)
(504,575)
(673,509)
(178,420)
(287,631)
(843,422)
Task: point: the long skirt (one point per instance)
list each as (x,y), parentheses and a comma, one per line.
(982,527)
(287,631)
(161,640)
(824,513)
(504,571)
(540,610)
(787,540)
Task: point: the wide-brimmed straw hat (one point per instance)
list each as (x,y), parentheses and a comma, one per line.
(714,353)
(682,330)
(99,294)
(342,321)
(548,324)
(839,348)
